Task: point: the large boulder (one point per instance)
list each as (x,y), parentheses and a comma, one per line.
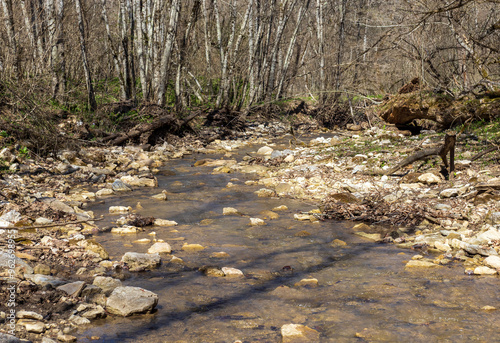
(125,301)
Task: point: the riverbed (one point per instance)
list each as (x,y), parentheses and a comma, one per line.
(362,292)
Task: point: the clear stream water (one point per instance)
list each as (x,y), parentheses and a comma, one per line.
(364,292)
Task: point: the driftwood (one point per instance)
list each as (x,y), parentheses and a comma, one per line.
(448,146)
(487,151)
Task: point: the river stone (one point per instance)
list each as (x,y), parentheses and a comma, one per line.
(192,247)
(5,338)
(493,262)
(28,315)
(160,248)
(232,272)
(265,193)
(139,181)
(488,236)
(95,247)
(420,264)
(104,192)
(474,249)
(442,207)
(93,311)
(120,186)
(219,254)
(269,214)
(265,150)
(35,327)
(107,284)
(372,236)
(162,196)
(337,243)
(44,280)
(72,289)
(78,320)
(289,159)
(119,209)
(429,178)
(280,208)
(312,282)
(449,193)
(297,333)
(124,230)
(57,205)
(164,222)
(442,246)
(483,270)
(42,269)
(227,211)
(65,338)
(125,301)
(138,262)
(257,222)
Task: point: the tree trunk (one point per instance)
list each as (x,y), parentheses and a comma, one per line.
(342,18)
(139,46)
(11,36)
(83,47)
(321,51)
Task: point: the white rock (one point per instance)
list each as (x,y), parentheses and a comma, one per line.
(289,159)
(482,270)
(257,222)
(107,284)
(227,211)
(35,327)
(138,262)
(295,333)
(429,178)
(232,272)
(442,246)
(488,236)
(492,261)
(265,150)
(104,192)
(120,209)
(160,248)
(164,222)
(78,320)
(449,193)
(43,221)
(28,315)
(124,230)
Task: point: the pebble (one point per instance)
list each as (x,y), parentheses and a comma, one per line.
(483,270)
(312,282)
(492,262)
(220,254)
(119,209)
(160,248)
(106,283)
(138,262)
(265,150)
(28,315)
(232,272)
(227,211)
(125,230)
(192,247)
(164,222)
(162,196)
(429,178)
(420,264)
(257,222)
(280,208)
(295,333)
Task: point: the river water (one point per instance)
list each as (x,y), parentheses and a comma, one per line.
(364,293)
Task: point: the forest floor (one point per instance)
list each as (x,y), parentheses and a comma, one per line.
(46,201)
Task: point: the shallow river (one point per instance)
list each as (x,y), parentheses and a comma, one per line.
(364,293)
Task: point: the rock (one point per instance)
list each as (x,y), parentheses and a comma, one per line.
(212,271)
(269,214)
(227,211)
(43,221)
(192,247)
(312,282)
(142,241)
(139,181)
(125,230)
(284,188)
(474,249)
(420,264)
(493,262)
(95,247)
(78,320)
(162,196)
(164,222)
(337,243)
(220,254)
(160,248)
(442,246)
(35,327)
(265,193)
(72,289)
(297,333)
(257,222)
(107,284)
(449,193)
(483,270)
(65,338)
(280,208)
(265,150)
(494,218)
(302,233)
(429,178)
(125,301)
(4,338)
(42,269)
(44,280)
(120,186)
(28,315)
(344,197)
(488,236)
(303,217)
(138,262)
(93,312)
(104,192)
(372,236)
(91,290)
(289,159)
(119,209)
(232,272)
(488,308)
(442,207)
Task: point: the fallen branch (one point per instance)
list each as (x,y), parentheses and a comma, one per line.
(487,151)
(55,224)
(448,146)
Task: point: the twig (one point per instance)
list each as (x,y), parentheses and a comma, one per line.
(57,224)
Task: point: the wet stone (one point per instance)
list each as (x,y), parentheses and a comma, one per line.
(227,211)
(161,248)
(232,272)
(297,333)
(483,270)
(257,222)
(120,186)
(125,301)
(492,262)
(310,283)
(192,247)
(138,262)
(420,264)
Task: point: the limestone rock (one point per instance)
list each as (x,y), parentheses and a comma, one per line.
(120,186)
(492,262)
(138,262)
(312,282)
(35,326)
(125,301)
(78,320)
(104,192)
(449,193)
(227,211)
(162,196)
(44,280)
(265,150)
(65,338)
(119,209)
(429,178)
(232,272)
(264,192)
(482,270)
(372,236)
(420,264)
(164,222)
(107,284)
(280,208)
(160,248)
(257,222)
(192,247)
(297,333)
(28,315)
(42,269)
(139,181)
(124,230)
(72,289)
(5,338)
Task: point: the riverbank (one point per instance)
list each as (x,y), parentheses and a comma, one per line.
(48,201)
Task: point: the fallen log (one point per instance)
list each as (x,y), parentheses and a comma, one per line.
(447,147)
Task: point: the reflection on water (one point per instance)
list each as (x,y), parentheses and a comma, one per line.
(363,293)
